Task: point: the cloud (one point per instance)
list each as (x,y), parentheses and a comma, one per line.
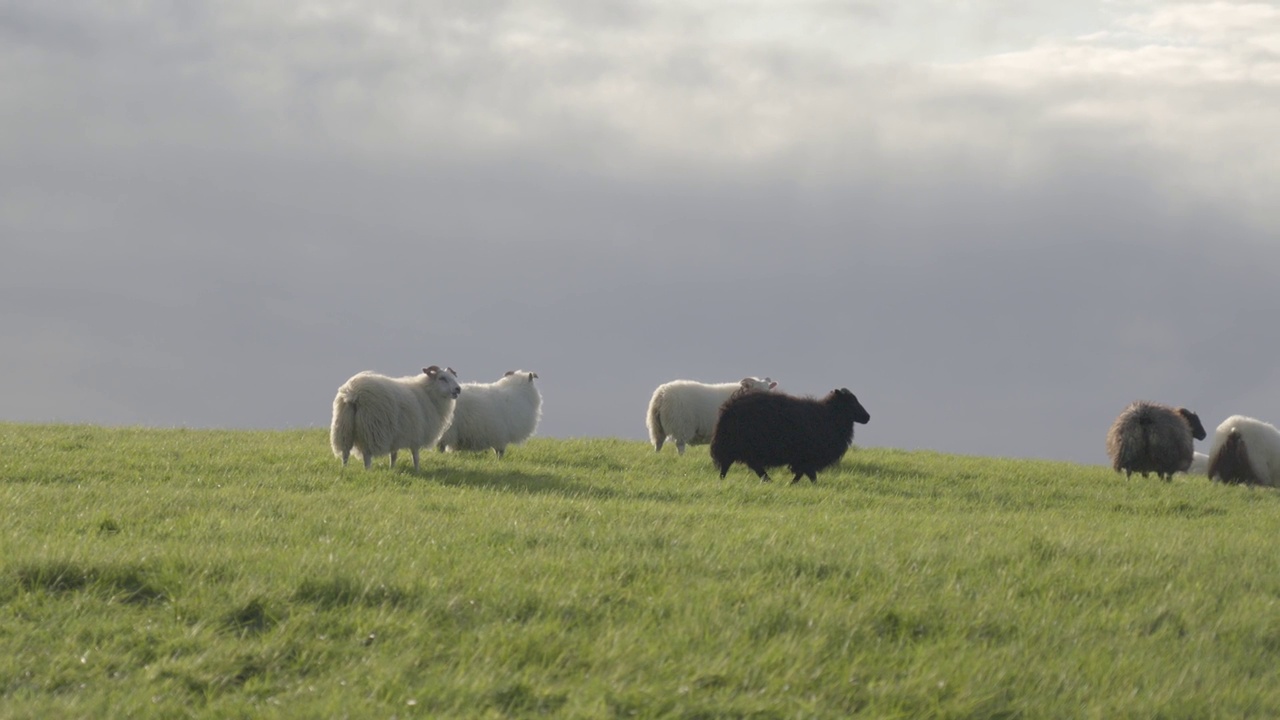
(216,213)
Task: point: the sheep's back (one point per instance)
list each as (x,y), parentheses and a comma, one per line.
(493,414)
(688,409)
(1149,437)
(1256,450)
(390,412)
(773,429)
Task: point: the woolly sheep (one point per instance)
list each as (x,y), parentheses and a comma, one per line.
(494,415)
(1149,437)
(1245,450)
(375,415)
(686,410)
(1199,464)
(764,430)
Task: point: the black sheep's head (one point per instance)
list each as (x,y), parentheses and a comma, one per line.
(846,399)
(1197,430)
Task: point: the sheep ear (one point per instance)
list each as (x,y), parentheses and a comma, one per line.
(772,384)
(532,375)
(452,371)
(431,371)
(509,373)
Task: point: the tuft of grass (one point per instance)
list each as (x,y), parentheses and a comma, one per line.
(252,618)
(128,583)
(226,573)
(339,591)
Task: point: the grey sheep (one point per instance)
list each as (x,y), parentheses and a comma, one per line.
(1153,438)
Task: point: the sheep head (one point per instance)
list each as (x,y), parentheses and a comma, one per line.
(843,398)
(447,379)
(1193,420)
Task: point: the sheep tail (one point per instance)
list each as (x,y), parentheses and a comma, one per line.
(342,435)
(656,434)
(1230,464)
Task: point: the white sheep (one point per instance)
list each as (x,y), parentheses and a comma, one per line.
(375,415)
(1199,464)
(494,415)
(687,410)
(1246,451)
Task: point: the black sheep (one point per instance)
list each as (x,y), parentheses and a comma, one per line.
(763,430)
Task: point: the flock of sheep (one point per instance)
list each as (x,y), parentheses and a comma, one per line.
(376,415)
(1153,438)
(746,422)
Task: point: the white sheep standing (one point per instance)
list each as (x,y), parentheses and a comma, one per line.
(1199,464)
(687,410)
(375,415)
(494,415)
(1245,450)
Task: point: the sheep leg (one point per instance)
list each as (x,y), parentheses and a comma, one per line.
(368,460)
(346,454)
(499,452)
(393,458)
(679,447)
(813,477)
(796,479)
(760,471)
(414,451)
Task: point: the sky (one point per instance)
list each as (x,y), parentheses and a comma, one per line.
(996,222)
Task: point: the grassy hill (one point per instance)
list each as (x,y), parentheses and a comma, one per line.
(215,574)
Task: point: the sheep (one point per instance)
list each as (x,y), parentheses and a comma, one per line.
(375,415)
(764,430)
(1199,464)
(1247,451)
(1149,437)
(686,410)
(494,415)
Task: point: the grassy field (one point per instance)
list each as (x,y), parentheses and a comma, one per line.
(175,573)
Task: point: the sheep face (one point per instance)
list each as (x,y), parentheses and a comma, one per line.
(444,381)
(1193,420)
(751,384)
(846,400)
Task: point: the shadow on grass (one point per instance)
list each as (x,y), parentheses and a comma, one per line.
(254,618)
(510,481)
(128,583)
(340,591)
(871,470)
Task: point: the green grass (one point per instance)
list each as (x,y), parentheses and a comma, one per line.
(174,573)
